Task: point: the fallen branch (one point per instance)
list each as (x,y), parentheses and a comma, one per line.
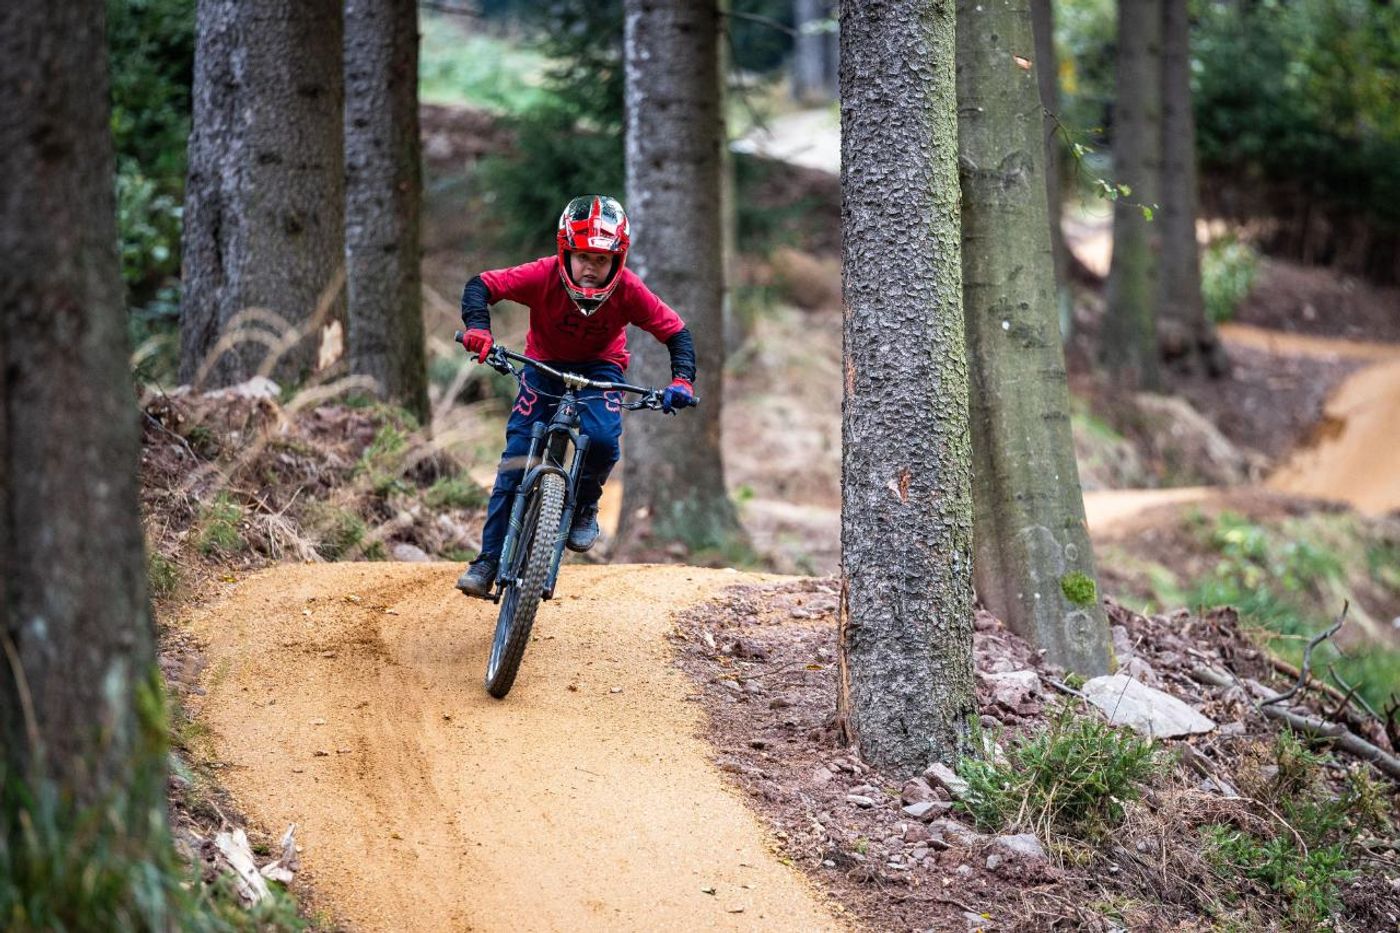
(1343,737)
(1317,639)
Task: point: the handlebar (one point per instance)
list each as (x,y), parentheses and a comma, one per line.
(499,358)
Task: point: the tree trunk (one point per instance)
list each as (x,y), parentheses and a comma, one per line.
(1129,336)
(673,487)
(1187,338)
(808,53)
(1047,74)
(906,506)
(264,240)
(383,191)
(77,660)
(1033,562)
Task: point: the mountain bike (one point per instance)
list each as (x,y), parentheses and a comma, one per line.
(542,510)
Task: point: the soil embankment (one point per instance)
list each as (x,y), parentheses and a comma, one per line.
(347,698)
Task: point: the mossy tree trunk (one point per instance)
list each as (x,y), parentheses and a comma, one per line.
(906,507)
(264,231)
(383,193)
(1034,565)
(673,481)
(1188,340)
(1129,334)
(79,701)
(1047,75)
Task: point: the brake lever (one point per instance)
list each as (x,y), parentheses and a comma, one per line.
(498,361)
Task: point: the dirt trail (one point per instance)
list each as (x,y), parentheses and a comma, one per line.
(347,698)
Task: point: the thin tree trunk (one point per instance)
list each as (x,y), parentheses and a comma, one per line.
(1129,335)
(1047,74)
(1034,564)
(77,661)
(1187,338)
(264,240)
(808,54)
(906,506)
(673,487)
(383,191)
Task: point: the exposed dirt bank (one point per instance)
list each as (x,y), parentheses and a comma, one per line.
(347,699)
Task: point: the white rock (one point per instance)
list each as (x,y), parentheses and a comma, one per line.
(1023,844)
(1013,688)
(1128,702)
(939,774)
(860,800)
(411,553)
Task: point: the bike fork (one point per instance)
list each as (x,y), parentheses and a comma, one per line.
(567,522)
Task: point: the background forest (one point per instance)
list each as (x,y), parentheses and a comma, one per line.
(1215,350)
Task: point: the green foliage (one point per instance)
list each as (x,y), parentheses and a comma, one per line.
(1079,588)
(1312,854)
(382,461)
(461,67)
(455,492)
(217,527)
(1291,582)
(340,533)
(151,50)
(1070,778)
(1228,268)
(570,141)
(1306,92)
(162,574)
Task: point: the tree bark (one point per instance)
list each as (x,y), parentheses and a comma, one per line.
(1033,562)
(906,507)
(673,484)
(1129,337)
(264,240)
(1188,340)
(77,659)
(383,192)
(1047,74)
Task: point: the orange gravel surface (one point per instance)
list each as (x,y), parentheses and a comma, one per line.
(347,698)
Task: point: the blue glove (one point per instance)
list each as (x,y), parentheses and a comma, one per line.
(679,394)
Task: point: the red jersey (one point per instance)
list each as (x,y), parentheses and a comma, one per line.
(560,333)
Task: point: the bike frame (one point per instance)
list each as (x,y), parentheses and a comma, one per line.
(549,449)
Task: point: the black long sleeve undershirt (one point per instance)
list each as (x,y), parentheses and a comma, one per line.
(476,298)
(476,315)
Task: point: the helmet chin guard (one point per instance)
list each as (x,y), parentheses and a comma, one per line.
(593,223)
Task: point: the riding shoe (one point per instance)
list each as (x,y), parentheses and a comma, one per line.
(583,534)
(479,577)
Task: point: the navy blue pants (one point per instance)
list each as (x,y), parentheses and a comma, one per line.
(601,417)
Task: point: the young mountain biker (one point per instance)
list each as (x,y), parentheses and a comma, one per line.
(581,300)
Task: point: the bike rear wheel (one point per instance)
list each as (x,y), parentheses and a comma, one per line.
(521,599)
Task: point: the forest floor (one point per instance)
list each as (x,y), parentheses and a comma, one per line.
(344,696)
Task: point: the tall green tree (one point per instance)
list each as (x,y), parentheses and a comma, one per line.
(906,505)
(673,488)
(1187,338)
(1033,562)
(1129,348)
(77,676)
(383,194)
(264,238)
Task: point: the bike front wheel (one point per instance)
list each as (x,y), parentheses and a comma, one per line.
(521,599)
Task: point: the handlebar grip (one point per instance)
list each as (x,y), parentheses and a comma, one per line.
(457,336)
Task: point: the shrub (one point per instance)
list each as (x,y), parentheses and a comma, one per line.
(1228,268)
(218,525)
(455,492)
(1067,779)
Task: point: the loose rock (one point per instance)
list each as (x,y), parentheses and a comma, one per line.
(1148,710)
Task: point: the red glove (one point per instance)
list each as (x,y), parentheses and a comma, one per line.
(479,342)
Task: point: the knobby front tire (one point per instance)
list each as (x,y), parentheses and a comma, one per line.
(522,599)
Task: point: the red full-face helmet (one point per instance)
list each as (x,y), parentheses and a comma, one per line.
(593,223)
